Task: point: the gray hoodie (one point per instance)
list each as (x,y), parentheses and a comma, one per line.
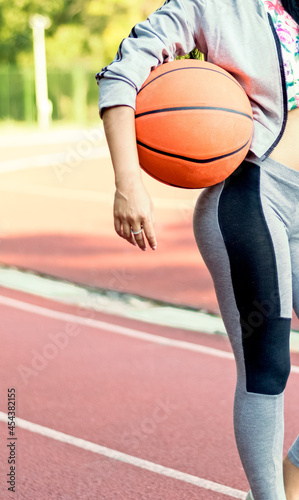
(237,35)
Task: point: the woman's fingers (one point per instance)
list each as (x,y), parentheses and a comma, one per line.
(117,226)
(144,232)
(137,235)
(149,232)
(126,230)
(123,230)
(134,217)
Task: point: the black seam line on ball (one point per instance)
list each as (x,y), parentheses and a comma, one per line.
(193,160)
(192,67)
(191,108)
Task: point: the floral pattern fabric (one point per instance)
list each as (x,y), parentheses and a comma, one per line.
(288,33)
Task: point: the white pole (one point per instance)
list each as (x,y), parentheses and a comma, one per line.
(38,24)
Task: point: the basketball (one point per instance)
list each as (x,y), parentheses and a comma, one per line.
(194,124)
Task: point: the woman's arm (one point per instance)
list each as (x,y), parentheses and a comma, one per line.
(168,32)
(173,30)
(133,207)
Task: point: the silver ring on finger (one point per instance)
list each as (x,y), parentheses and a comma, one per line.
(137,232)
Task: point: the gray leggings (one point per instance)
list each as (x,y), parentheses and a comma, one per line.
(247,230)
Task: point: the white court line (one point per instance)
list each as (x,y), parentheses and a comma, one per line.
(102,325)
(57,136)
(90,196)
(129,332)
(57,192)
(50,160)
(123,457)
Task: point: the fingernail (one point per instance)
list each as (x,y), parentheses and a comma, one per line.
(154,247)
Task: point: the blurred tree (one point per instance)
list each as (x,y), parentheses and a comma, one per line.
(116,18)
(15,31)
(82,32)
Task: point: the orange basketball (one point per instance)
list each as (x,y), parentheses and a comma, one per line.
(193,123)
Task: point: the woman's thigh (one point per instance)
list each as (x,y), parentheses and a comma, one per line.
(245,245)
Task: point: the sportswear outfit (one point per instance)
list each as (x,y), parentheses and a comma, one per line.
(247,227)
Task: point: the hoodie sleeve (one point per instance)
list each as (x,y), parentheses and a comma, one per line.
(167,33)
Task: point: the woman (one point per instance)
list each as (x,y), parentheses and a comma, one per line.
(247,227)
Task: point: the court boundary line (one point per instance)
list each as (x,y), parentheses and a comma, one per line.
(49,160)
(111,327)
(125,458)
(122,330)
(87,195)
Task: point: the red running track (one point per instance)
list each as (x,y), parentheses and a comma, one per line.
(160,403)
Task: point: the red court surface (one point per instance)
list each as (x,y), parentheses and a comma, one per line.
(56,196)
(81,373)
(109,408)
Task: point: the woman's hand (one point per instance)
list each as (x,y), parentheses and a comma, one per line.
(133,211)
(133,208)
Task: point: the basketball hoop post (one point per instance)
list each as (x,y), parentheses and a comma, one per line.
(38,24)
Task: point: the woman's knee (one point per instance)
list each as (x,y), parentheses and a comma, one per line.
(205,220)
(267,357)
